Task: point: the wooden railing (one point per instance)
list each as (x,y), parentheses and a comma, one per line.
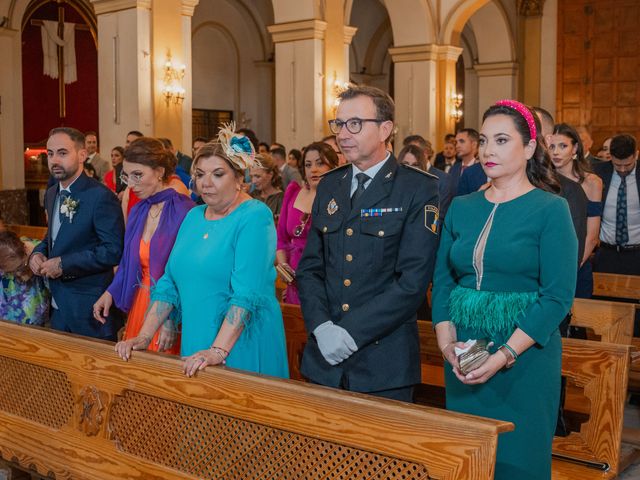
(70,409)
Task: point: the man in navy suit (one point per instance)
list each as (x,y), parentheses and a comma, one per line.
(619,250)
(369,258)
(84,240)
(467,141)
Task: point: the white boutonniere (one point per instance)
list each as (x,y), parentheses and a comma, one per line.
(69,208)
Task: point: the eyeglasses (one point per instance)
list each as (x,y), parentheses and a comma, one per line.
(132,179)
(354,125)
(303,223)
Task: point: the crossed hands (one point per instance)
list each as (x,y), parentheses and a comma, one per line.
(480,375)
(45,267)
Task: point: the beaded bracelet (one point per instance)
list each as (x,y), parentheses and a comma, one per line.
(222,353)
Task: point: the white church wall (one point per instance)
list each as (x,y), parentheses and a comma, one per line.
(229,53)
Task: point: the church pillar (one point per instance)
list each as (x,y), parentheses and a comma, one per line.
(299,56)
(496,81)
(338,37)
(425,78)
(135,41)
(11,134)
(530,19)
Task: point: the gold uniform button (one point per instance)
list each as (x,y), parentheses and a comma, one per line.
(347,282)
(349,257)
(349,232)
(345,307)
(381,233)
(324,229)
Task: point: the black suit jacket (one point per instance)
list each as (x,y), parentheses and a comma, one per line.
(90,245)
(573,193)
(369,275)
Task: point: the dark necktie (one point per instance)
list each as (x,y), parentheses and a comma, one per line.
(362,179)
(622,231)
(63,196)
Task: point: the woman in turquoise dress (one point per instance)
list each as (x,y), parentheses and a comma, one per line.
(506,272)
(219,281)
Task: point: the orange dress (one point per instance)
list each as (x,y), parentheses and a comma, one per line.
(141,304)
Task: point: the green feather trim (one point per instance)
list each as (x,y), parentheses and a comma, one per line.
(494,313)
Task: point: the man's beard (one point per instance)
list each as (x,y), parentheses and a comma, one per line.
(60,173)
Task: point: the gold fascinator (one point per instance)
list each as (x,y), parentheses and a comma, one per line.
(237,147)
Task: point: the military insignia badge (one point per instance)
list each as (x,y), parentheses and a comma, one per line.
(431,216)
(332,207)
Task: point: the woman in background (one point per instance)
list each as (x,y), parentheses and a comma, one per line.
(295,216)
(23,296)
(567,156)
(265,176)
(112,177)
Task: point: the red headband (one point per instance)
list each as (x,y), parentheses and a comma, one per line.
(522,110)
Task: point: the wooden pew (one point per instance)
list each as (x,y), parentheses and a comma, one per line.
(70,409)
(599,370)
(612,285)
(36,233)
(611,321)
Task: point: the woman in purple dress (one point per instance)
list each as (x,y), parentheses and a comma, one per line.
(295,216)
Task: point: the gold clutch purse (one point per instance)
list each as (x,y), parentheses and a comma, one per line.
(475,356)
(284,273)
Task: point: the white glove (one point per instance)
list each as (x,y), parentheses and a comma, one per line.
(334,342)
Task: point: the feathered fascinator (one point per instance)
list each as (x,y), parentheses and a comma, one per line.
(237,147)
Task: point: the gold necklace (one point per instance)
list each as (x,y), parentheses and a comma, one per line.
(158,211)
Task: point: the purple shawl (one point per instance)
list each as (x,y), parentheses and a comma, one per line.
(127,279)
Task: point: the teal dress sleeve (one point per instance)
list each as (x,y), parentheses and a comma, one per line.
(444,277)
(253,274)
(166,292)
(557,280)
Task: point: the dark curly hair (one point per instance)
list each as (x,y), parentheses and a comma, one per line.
(540,171)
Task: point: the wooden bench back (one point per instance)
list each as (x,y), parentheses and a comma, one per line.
(612,321)
(36,233)
(69,408)
(613,285)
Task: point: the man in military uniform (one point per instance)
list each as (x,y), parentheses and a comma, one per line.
(369,258)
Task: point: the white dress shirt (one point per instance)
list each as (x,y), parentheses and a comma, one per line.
(608,225)
(371,172)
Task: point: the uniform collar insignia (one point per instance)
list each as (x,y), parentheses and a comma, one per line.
(388,175)
(332,207)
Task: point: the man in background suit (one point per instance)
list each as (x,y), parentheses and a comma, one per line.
(99,164)
(288,173)
(619,250)
(467,152)
(84,239)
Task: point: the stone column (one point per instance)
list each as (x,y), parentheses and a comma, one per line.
(11,126)
(496,81)
(425,78)
(530,19)
(299,57)
(134,41)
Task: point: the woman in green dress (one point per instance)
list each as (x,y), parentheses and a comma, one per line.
(506,272)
